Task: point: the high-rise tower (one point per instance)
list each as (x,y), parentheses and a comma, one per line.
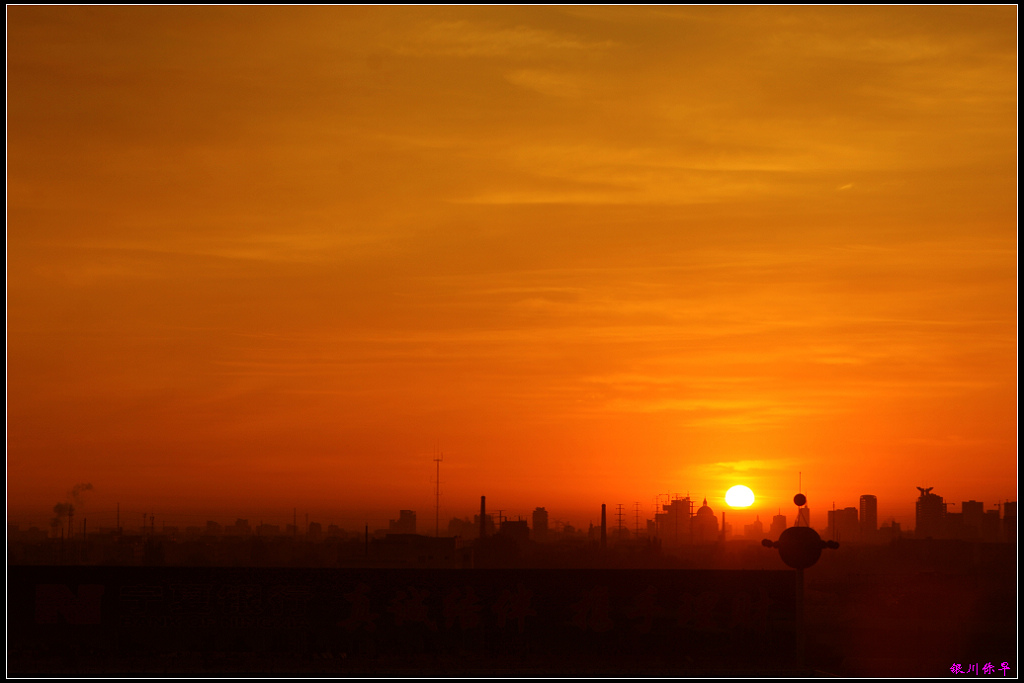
(868,517)
(931,515)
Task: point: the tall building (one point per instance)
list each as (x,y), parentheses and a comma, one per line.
(1010,522)
(868,517)
(673,522)
(405,524)
(843,525)
(803,516)
(973,512)
(930,518)
(754,531)
(540,524)
(777,527)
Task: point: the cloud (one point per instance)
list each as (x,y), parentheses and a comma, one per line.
(477,39)
(545,82)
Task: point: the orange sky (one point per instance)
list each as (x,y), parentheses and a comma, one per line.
(271,257)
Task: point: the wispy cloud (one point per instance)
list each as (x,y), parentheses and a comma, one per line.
(481,39)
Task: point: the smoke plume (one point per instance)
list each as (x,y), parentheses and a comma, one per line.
(61,511)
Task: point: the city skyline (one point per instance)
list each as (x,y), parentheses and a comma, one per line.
(269,257)
(380,518)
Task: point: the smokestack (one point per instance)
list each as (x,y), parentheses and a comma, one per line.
(483,512)
(604,528)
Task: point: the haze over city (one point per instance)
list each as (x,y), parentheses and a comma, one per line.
(283,258)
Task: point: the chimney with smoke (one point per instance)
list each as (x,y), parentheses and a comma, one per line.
(66,510)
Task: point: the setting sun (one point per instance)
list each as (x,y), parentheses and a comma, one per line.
(739,497)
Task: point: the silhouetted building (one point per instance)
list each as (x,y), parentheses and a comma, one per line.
(540,524)
(990,526)
(705,525)
(1010,522)
(868,517)
(516,529)
(754,531)
(930,517)
(803,516)
(463,528)
(488,525)
(889,532)
(973,512)
(413,550)
(843,525)
(405,524)
(673,522)
(213,528)
(954,525)
(777,527)
(240,528)
(314,532)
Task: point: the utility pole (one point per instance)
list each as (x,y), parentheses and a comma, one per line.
(619,513)
(636,505)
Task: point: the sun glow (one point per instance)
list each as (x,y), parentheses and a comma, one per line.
(739,497)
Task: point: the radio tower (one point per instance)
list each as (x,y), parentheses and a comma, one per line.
(437,497)
(619,513)
(637,508)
